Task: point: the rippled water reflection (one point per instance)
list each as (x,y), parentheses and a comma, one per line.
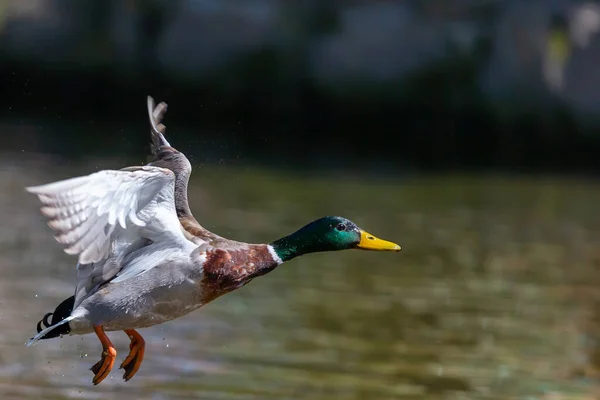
(494,295)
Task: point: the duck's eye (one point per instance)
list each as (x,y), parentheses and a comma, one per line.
(341,227)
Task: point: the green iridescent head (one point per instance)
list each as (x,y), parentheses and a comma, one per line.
(328,234)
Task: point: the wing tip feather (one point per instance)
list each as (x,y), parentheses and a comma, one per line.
(66,203)
(48,212)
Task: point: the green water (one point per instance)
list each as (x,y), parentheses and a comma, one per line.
(494,295)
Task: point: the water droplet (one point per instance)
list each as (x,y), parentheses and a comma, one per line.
(167,344)
(36,295)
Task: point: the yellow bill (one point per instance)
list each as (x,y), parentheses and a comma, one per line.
(370,242)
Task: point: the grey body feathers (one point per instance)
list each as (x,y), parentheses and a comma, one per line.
(163,293)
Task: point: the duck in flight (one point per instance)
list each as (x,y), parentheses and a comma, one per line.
(143,259)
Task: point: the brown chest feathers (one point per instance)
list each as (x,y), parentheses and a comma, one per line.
(227,270)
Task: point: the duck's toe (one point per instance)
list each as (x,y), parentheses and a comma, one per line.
(134,359)
(103,367)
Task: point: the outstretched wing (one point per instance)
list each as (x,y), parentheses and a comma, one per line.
(166,156)
(88,213)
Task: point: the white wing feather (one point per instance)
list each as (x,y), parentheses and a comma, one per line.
(88,212)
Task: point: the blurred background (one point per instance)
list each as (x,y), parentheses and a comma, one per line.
(466,131)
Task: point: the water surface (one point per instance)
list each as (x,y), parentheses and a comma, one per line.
(494,295)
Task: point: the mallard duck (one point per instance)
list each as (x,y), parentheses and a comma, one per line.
(144,260)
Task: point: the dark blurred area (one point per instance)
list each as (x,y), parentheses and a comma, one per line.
(375,85)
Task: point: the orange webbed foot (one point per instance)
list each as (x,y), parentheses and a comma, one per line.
(134,359)
(103,367)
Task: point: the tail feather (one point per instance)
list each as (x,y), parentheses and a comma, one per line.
(44,323)
(59,325)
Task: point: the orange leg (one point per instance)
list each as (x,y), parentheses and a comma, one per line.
(134,359)
(103,367)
